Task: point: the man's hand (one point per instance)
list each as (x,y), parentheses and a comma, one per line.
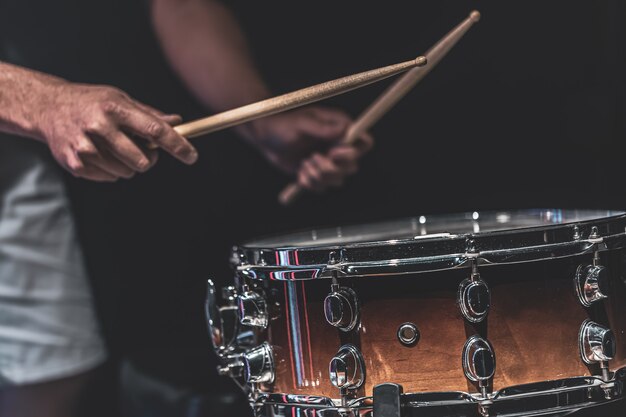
(89,128)
(207,49)
(308,142)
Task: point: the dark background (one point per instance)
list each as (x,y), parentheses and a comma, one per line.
(526,111)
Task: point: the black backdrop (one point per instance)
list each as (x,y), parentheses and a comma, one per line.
(526,111)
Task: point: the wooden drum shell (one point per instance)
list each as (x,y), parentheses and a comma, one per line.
(533,325)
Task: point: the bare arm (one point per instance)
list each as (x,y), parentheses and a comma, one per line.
(205,46)
(20,109)
(86,127)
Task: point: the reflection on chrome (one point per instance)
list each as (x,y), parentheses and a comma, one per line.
(503,218)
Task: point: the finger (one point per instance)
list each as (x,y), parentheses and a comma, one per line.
(170,119)
(125,150)
(94,173)
(155,130)
(330,173)
(304,181)
(151,154)
(364,143)
(309,177)
(107,162)
(330,115)
(345,157)
(321,129)
(78,168)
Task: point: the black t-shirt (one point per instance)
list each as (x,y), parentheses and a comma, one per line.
(90,41)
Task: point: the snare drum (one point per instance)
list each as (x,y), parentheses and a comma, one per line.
(492,313)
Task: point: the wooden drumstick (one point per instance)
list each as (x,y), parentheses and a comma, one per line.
(393,94)
(292,100)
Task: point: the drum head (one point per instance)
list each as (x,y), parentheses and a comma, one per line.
(434,242)
(442,225)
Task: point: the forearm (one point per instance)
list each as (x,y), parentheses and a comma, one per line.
(23,93)
(206,47)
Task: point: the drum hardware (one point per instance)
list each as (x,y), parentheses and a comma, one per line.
(229,293)
(549,398)
(388,400)
(594,236)
(347,369)
(408,334)
(229,364)
(262,258)
(591,283)
(513,240)
(577,235)
(259,364)
(337,258)
(246,339)
(242,338)
(237,257)
(471,251)
(479,365)
(473,297)
(214,320)
(597,345)
(410,256)
(236,360)
(341,308)
(252,309)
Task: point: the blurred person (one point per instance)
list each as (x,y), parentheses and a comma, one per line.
(55,59)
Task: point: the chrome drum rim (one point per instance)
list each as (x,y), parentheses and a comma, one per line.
(561,233)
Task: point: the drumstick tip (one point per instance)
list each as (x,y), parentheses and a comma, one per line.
(475,16)
(420,61)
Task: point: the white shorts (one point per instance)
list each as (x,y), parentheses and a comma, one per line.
(48,328)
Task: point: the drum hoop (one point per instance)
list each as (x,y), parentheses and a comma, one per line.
(408,256)
(525,398)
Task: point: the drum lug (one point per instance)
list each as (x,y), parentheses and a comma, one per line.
(254,366)
(591,283)
(474,297)
(341,308)
(229,364)
(479,365)
(252,309)
(596,345)
(479,360)
(258,364)
(347,368)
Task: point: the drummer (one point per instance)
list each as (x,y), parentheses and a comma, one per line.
(49,336)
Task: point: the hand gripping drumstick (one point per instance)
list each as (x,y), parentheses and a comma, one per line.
(393,94)
(292,100)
